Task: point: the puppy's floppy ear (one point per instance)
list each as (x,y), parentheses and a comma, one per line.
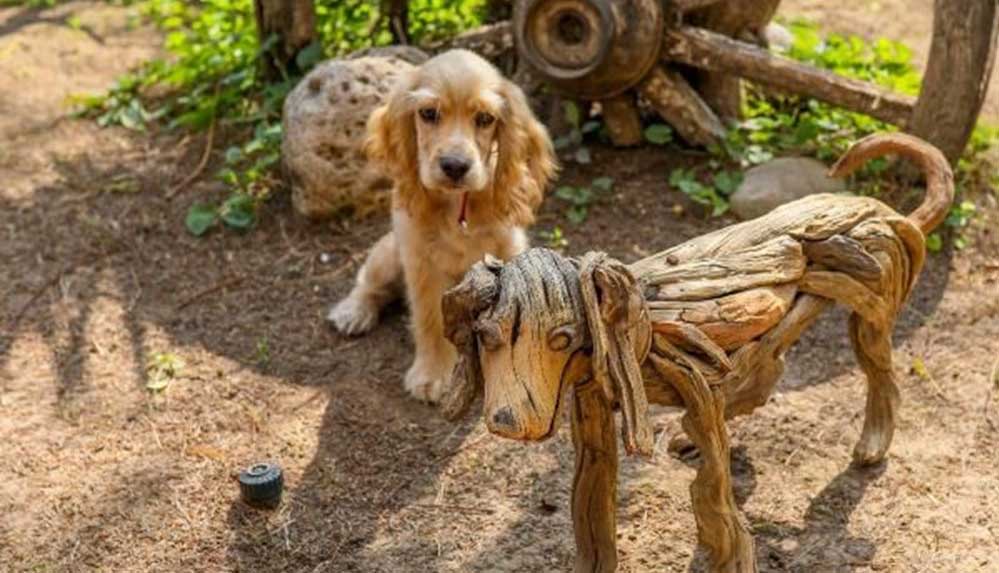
(525,162)
(618,320)
(391,138)
(461,307)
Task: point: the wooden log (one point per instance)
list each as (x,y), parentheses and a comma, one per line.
(773,262)
(849,292)
(397,14)
(293,23)
(594,487)
(844,254)
(681,106)
(622,120)
(758,366)
(491,41)
(957,74)
(718,53)
(741,20)
(729,321)
(688,5)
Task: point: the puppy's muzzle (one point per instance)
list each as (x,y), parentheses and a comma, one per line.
(454,167)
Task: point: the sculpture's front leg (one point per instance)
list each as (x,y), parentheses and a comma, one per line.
(594,487)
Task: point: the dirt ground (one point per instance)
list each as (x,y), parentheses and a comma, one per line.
(98,276)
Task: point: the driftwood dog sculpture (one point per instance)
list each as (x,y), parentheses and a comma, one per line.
(703,325)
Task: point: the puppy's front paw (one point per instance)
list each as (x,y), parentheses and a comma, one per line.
(424,384)
(352,316)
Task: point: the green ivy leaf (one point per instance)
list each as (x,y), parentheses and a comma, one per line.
(239,211)
(200,218)
(658,134)
(576,214)
(572,113)
(590,127)
(603,184)
(934,243)
(582,156)
(726,182)
(309,56)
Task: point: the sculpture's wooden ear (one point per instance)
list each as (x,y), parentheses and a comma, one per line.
(618,320)
(461,307)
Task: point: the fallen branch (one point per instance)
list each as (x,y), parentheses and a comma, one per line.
(210,290)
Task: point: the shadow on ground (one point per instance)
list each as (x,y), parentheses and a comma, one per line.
(379,451)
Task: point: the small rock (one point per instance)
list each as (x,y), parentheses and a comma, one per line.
(324,121)
(778,37)
(781,181)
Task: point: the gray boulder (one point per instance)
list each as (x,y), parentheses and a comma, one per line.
(324,121)
(780,181)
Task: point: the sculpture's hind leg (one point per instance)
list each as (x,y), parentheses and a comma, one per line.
(719,527)
(872,345)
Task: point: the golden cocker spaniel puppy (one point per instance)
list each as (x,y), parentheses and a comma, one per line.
(470,163)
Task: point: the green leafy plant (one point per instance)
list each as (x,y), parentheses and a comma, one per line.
(580,198)
(263,351)
(658,134)
(786,124)
(239,211)
(210,78)
(162,369)
(778,124)
(555,239)
(709,190)
(578,129)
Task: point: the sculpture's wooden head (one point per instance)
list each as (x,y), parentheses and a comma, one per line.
(530,329)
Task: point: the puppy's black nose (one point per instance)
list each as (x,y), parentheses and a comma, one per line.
(454,167)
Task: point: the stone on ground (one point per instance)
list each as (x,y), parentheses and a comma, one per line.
(324,129)
(780,181)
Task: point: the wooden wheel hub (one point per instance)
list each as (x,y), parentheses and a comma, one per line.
(589,48)
(567,39)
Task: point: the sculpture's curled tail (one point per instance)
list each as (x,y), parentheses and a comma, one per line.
(939,177)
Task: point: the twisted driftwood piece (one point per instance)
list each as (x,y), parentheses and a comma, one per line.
(703,325)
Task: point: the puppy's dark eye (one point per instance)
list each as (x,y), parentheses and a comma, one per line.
(429,114)
(483,119)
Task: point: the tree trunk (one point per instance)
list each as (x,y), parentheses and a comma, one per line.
(286,26)
(958,73)
(397,12)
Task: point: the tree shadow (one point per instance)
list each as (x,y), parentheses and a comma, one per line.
(32,15)
(823,543)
